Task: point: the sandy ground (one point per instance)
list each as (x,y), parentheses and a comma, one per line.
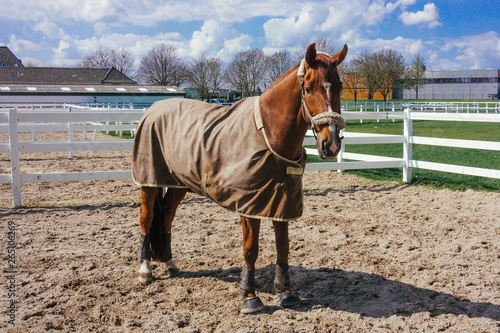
(365,257)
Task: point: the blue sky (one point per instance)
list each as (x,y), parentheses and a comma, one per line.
(449,34)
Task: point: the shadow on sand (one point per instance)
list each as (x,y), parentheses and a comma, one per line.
(366,294)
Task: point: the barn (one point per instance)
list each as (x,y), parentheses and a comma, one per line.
(56,85)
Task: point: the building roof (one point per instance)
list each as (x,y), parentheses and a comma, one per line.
(7,58)
(62,76)
(33,89)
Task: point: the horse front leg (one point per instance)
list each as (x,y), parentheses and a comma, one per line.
(282,283)
(251,228)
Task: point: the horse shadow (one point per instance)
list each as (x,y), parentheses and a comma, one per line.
(366,294)
(351,190)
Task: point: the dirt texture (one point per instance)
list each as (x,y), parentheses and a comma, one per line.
(365,257)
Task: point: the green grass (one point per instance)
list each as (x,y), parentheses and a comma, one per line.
(440,129)
(125,134)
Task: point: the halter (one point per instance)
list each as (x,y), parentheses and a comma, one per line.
(328,117)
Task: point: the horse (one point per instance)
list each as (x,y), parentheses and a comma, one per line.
(264,184)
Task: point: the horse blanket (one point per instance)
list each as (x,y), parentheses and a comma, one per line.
(220,152)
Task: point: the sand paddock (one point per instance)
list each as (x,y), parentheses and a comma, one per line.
(365,257)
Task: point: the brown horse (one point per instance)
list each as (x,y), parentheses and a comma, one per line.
(306,95)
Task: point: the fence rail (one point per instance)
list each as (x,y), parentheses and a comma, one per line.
(447,107)
(14,121)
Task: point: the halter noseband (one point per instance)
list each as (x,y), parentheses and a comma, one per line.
(328,117)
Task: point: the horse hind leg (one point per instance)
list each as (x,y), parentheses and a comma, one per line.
(162,236)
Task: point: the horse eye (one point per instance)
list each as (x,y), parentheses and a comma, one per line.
(308,91)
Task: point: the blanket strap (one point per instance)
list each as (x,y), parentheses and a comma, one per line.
(260,127)
(203,185)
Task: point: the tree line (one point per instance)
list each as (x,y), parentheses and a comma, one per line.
(250,71)
(383,71)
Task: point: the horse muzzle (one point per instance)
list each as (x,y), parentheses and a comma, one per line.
(328,142)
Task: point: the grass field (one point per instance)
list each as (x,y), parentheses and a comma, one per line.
(440,129)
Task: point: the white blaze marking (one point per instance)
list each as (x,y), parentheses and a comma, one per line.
(327,86)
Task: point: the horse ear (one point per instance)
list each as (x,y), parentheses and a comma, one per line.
(340,56)
(311,54)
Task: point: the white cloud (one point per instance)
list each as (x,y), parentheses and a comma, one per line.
(342,15)
(50,29)
(101,28)
(233,46)
(404,45)
(71,50)
(210,37)
(429,16)
(478,51)
(284,31)
(21,46)
(402,3)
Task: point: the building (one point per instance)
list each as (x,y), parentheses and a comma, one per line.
(354,83)
(458,84)
(7,58)
(37,85)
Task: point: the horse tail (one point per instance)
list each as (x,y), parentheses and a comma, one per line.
(158,235)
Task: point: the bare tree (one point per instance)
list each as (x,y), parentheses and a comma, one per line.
(247,71)
(121,59)
(278,64)
(215,74)
(31,63)
(364,64)
(390,71)
(416,73)
(205,75)
(352,78)
(383,71)
(322,45)
(162,66)
(100,58)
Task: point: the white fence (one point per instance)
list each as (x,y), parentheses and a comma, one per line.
(14,121)
(408,139)
(458,107)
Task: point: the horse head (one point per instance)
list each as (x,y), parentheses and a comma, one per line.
(321,88)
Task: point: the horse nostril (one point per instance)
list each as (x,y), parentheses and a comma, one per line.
(324,146)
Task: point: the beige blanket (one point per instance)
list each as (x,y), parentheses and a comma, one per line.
(220,152)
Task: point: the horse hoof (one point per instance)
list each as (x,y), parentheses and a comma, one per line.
(251,305)
(172,269)
(289,300)
(171,273)
(145,278)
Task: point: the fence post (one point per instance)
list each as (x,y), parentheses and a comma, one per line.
(407,147)
(340,156)
(15,170)
(71,136)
